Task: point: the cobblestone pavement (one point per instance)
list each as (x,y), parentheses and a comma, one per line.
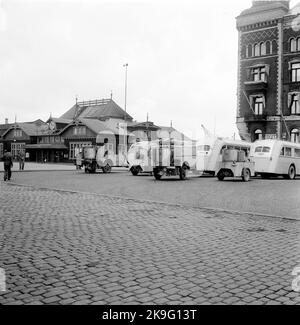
(278,197)
(59,247)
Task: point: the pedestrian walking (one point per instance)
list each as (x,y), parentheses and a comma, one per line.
(79,160)
(21,159)
(8,164)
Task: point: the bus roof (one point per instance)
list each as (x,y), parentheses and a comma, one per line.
(233,142)
(272,142)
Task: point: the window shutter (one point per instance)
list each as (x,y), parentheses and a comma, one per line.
(264,101)
(298,98)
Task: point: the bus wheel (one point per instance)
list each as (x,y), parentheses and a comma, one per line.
(292,172)
(221,176)
(156,174)
(246,175)
(135,171)
(182,173)
(106,169)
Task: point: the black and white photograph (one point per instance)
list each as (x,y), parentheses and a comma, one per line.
(149,155)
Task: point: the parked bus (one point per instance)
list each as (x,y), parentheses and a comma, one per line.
(173,158)
(276,158)
(214,157)
(139,158)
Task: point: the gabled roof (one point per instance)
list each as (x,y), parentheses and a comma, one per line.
(94,125)
(105,108)
(4,128)
(59,120)
(143,125)
(97,126)
(30,128)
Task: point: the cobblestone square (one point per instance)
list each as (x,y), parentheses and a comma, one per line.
(62,247)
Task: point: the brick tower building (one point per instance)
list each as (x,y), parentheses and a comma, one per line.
(269,71)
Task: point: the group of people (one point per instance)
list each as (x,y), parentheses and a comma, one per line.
(8,163)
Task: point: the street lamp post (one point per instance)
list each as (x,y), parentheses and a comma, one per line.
(125,107)
(126,68)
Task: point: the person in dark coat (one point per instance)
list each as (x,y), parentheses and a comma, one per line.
(8,164)
(21,159)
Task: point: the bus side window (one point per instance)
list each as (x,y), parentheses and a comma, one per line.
(258,149)
(297,153)
(282,151)
(246,150)
(288,152)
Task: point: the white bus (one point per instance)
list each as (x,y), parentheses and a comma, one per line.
(215,154)
(139,158)
(276,158)
(173,158)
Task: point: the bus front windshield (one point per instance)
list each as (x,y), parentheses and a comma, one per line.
(262,150)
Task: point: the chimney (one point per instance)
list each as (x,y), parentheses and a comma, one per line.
(6,121)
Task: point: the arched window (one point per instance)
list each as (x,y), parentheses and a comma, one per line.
(295,135)
(262,48)
(249,50)
(258,134)
(268,47)
(256,50)
(293,45)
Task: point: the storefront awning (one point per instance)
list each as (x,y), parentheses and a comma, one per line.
(55,146)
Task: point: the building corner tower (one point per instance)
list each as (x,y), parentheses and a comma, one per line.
(268,91)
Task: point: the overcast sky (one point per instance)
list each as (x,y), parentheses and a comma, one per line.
(182,58)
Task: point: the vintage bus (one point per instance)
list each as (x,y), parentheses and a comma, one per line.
(276,158)
(139,158)
(214,156)
(173,158)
